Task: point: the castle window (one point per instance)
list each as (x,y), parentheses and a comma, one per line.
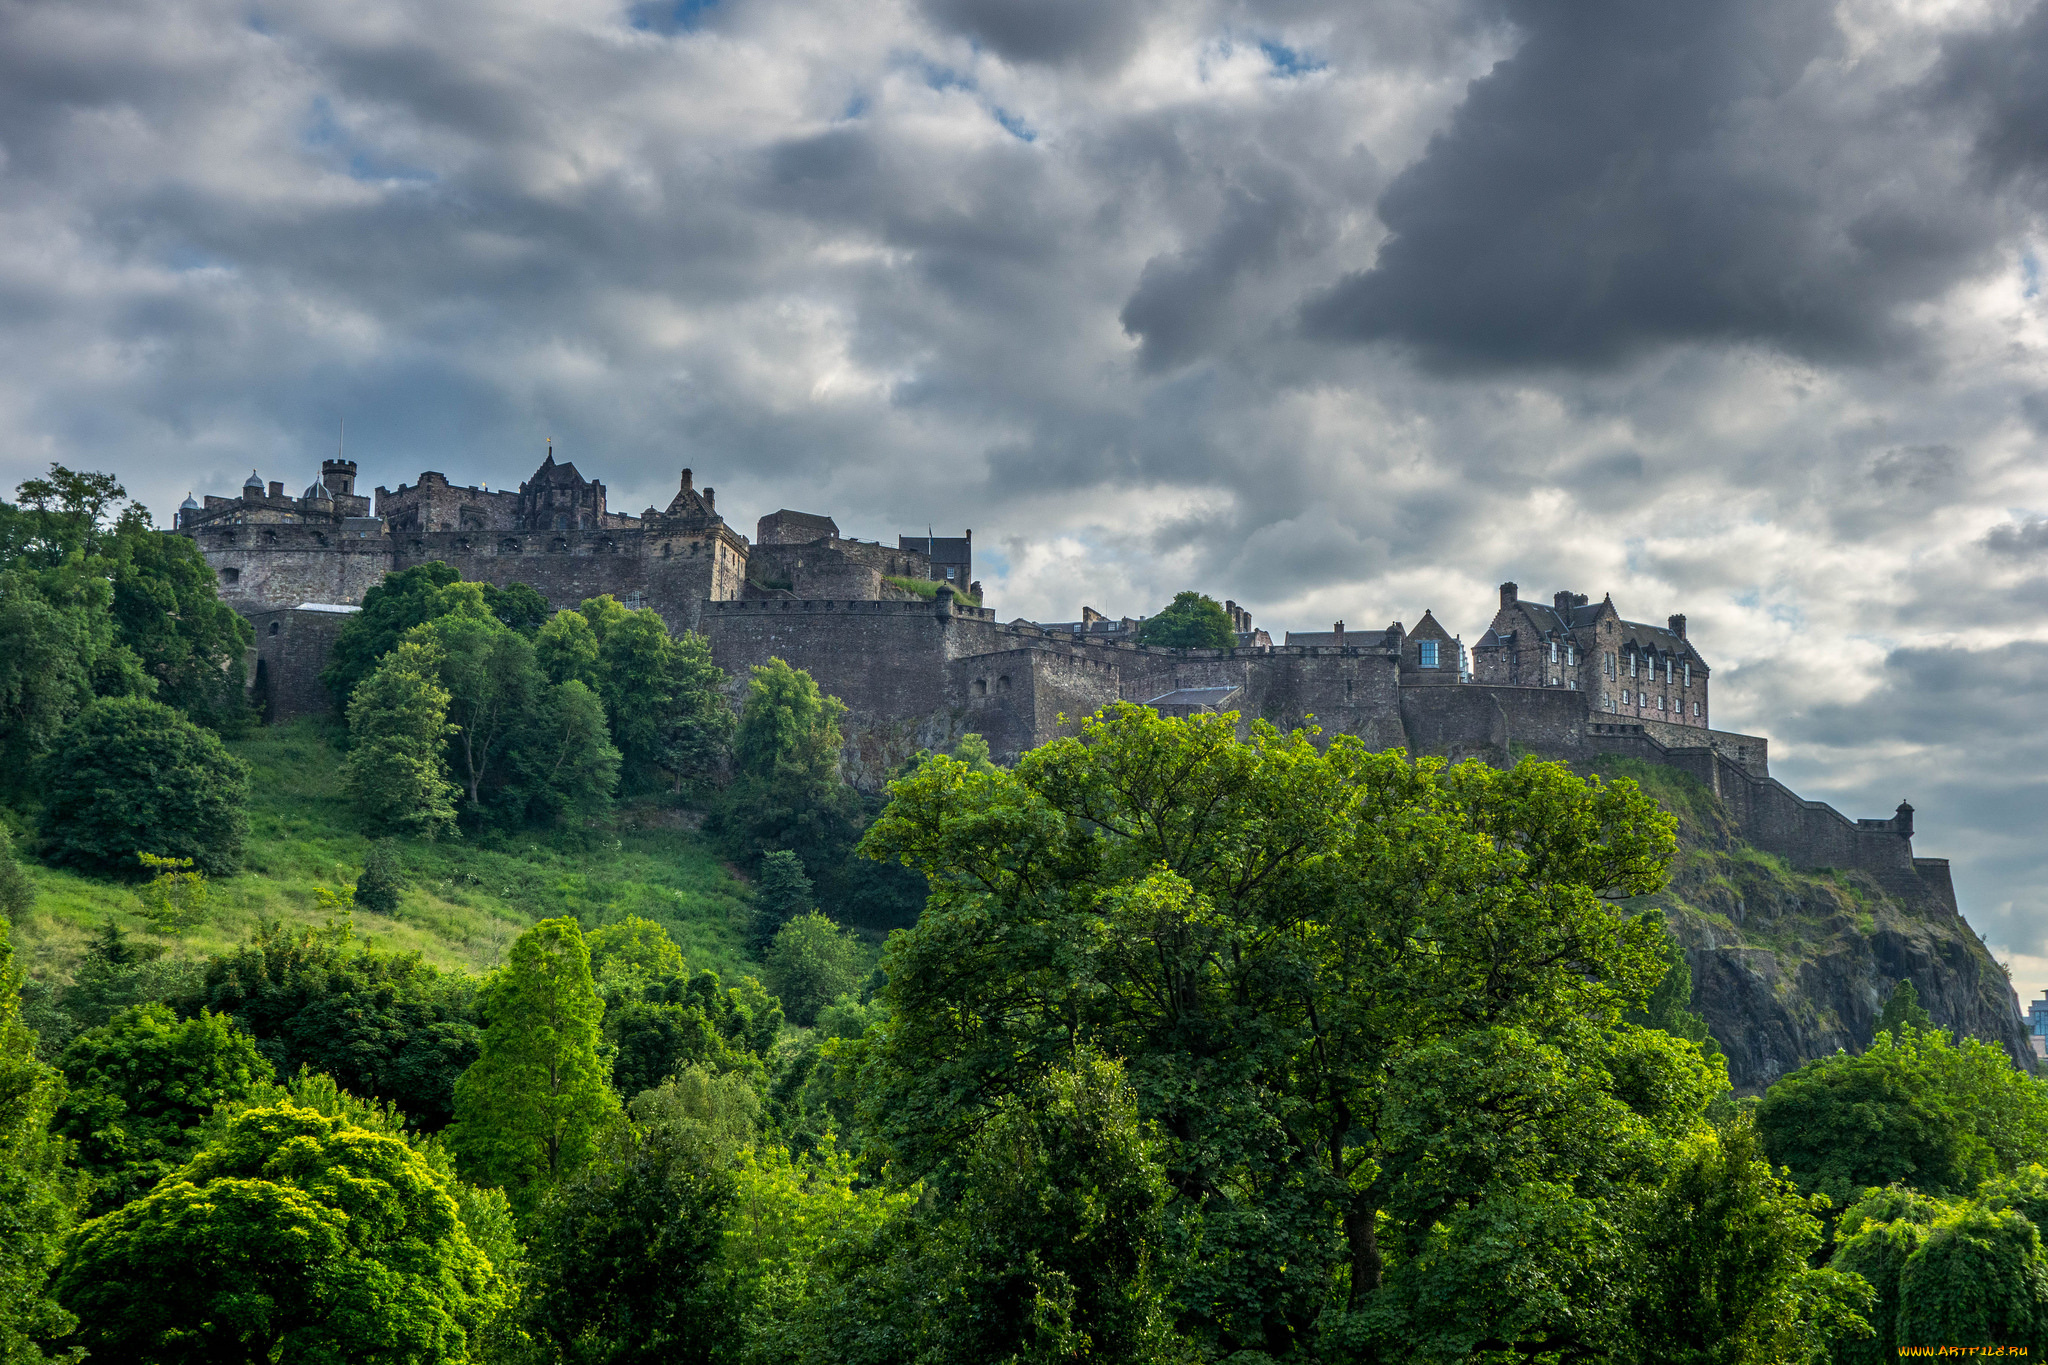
(667,549)
(1688,675)
(230,575)
(1634,661)
(275,627)
(981,687)
(1624,697)
(1553,651)
(1427,652)
(1660,703)
(1004,682)
(1571,654)
(1610,664)
(1695,708)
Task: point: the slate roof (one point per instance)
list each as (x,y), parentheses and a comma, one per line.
(1362,639)
(821,527)
(553,475)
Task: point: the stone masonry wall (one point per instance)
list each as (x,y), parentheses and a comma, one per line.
(292,645)
(674,574)
(262,567)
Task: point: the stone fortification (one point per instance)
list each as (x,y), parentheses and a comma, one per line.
(1571,679)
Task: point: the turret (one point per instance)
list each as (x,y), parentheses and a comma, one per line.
(339,476)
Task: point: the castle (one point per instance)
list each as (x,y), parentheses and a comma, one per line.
(901,636)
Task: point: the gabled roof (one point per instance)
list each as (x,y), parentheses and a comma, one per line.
(552,475)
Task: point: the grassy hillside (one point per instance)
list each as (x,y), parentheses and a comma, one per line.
(464,902)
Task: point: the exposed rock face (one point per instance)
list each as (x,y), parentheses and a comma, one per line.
(1790,965)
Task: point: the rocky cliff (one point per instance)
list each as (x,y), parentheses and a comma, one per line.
(1791,964)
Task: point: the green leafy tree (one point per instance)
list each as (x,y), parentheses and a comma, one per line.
(115,974)
(1902,1011)
(813,962)
(17,892)
(783,893)
(1668,1005)
(1875,1238)
(530,1111)
(566,649)
(382,1024)
(295,1236)
(383,877)
(72,512)
(130,773)
(786,792)
(1055,1249)
(634,948)
(57,651)
(167,610)
(38,1194)
(396,772)
(1915,1109)
(1723,1248)
(696,735)
(519,606)
(1979,1278)
(493,687)
(390,609)
(139,1088)
(1192,621)
(562,763)
(623,1253)
(1373,1006)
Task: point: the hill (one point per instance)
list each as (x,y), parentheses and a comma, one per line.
(463,903)
(1789,965)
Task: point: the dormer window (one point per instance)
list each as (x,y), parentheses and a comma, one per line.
(1634,662)
(1426,651)
(1553,651)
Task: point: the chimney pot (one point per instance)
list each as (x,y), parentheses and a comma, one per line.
(1677,624)
(1508,594)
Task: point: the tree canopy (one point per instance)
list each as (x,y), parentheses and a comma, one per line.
(133,775)
(1191,621)
(293,1236)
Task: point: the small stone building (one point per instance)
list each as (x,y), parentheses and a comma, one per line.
(1625,668)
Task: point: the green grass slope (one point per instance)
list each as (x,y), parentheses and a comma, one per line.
(464,901)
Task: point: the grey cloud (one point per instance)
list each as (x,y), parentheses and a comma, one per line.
(1097,34)
(2001,73)
(1643,174)
(2018,539)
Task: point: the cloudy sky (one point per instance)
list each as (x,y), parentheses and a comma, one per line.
(1343,310)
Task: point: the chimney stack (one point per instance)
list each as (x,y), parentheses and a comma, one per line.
(276,489)
(1562,601)
(1677,624)
(686,480)
(710,498)
(1340,634)
(1508,592)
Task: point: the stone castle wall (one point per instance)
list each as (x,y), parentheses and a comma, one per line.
(292,645)
(674,573)
(264,567)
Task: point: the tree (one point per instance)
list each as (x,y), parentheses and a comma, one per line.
(382,1024)
(134,774)
(57,651)
(1902,1011)
(813,962)
(1057,1243)
(529,1112)
(176,897)
(166,609)
(1667,1008)
(786,791)
(1980,1277)
(1193,621)
(492,684)
(396,772)
(783,893)
(519,606)
(71,512)
(566,649)
(38,1194)
(1913,1110)
(1723,1249)
(562,764)
(390,609)
(634,948)
(295,1236)
(141,1085)
(623,1253)
(382,879)
(1373,1006)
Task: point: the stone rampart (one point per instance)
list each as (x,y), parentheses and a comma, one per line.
(262,567)
(674,574)
(292,645)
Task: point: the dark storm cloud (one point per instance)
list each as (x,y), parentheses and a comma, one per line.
(1099,34)
(1639,174)
(2001,74)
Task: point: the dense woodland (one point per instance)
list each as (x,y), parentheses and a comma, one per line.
(1184,1046)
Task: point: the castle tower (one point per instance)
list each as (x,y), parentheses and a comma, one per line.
(339,476)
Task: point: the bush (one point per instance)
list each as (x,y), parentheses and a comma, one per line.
(377,889)
(131,774)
